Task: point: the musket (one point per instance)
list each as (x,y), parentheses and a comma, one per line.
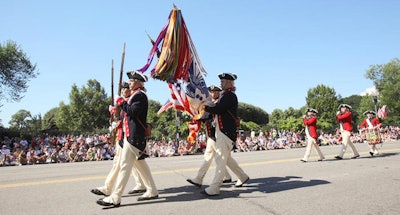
(112,82)
(112,133)
(118,109)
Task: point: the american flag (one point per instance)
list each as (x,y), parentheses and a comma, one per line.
(382,112)
(168,104)
(179,98)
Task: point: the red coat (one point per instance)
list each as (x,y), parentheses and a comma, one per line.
(345,120)
(374,122)
(311,124)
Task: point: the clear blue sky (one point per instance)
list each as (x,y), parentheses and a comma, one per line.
(278,49)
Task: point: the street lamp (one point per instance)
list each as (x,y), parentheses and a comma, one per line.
(177,127)
(375,100)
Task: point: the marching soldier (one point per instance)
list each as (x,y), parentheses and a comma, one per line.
(209,152)
(310,121)
(112,175)
(134,151)
(344,117)
(370,126)
(225,111)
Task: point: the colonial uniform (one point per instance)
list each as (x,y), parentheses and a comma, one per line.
(225,110)
(346,128)
(209,152)
(112,175)
(311,133)
(370,125)
(134,150)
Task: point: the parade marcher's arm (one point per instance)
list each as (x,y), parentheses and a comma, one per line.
(135,108)
(377,122)
(309,121)
(343,116)
(364,124)
(223,105)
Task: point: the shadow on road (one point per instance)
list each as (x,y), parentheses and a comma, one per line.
(263,185)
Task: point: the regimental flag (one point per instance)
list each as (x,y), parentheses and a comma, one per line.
(179,65)
(194,128)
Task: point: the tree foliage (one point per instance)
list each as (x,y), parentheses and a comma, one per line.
(87,111)
(248,113)
(366,103)
(325,100)
(386,79)
(49,119)
(15,71)
(25,123)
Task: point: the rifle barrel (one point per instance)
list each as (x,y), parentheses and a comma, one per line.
(121,71)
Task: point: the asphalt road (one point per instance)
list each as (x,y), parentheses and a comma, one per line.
(279,184)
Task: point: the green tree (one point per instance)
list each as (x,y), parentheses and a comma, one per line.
(276,116)
(15,71)
(20,121)
(49,118)
(386,79)
(64,118)
(366,103)
(325,100)
(87,111)
(292,120)
(251,113)
(35,125)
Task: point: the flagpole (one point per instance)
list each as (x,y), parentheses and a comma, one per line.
(177,127)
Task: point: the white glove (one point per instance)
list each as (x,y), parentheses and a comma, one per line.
(113,126)
(337,113)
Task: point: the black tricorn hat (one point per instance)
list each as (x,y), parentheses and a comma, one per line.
(125,85)
(344,105)
(369,111)
(227,76)
(214,88)
(137,75)
(312,110)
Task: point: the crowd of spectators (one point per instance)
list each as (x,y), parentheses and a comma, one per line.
(57,149)
(69,148)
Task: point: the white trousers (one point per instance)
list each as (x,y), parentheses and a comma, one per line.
(346,141)
(128,160)
(222,148)
(208,157)
(310,143)
(112,175)
(373,149)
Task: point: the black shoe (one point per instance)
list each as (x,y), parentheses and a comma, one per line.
(241,185)
(136,191)
(355,156)
(371,153)
(147,198)
(227,181)
(338,157)
(103,203)
(97,192)
(321,159)
(303,160)
(194,183)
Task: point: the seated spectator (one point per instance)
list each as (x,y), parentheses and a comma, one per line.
(2,158)
(20,154)
(62,155)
